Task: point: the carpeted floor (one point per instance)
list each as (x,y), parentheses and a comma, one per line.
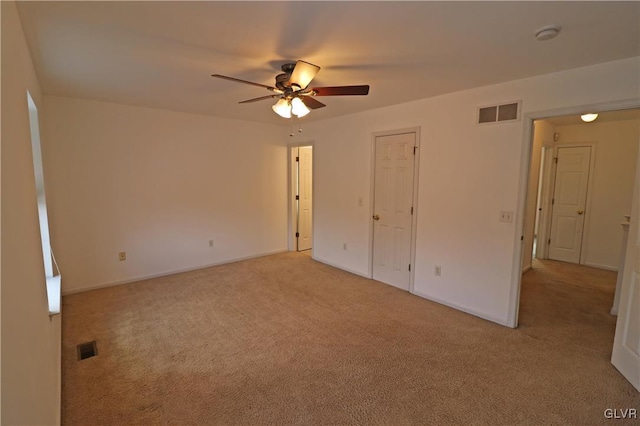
(286,340)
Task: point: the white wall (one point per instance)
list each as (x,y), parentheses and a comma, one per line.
(158,185)
(612,185)
(30,340)
(468,173)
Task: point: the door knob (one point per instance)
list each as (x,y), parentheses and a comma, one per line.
(376,217)
(580,211)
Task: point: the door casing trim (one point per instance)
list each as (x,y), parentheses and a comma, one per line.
(525,164)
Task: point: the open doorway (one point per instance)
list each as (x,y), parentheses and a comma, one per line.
(580,188)
(301,185)
(580,191)
(561,316)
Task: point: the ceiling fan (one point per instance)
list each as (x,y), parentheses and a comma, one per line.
(292,89)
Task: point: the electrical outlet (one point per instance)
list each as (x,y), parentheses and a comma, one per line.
(506,216)
(210,243)
(122,256)
(344,246)
(437,271)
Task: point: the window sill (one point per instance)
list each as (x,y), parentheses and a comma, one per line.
(53,294)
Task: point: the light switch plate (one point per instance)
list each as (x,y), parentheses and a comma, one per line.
(506,216)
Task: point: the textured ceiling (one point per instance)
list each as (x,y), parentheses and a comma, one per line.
(161,54)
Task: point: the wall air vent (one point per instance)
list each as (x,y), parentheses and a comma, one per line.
(499,113)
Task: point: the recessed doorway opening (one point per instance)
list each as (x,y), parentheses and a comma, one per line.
(580,188)
(582,191)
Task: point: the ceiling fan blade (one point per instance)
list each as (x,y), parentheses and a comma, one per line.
(303,73)
(237,80)
(261,98)
(341,90)
(311,103)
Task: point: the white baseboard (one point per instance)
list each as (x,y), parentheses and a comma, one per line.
(526,268)
(352,271)
(164,274)
(606,267)
(614,311)
(463,309)
(428,297)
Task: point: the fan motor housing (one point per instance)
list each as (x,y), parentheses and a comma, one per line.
(282,80)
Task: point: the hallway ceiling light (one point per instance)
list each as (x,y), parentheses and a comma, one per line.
(588,118)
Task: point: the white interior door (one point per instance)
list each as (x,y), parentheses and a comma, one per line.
(569,200)
(626,345)
(393,204)
(305,176)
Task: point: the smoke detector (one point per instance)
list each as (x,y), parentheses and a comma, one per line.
(547,32)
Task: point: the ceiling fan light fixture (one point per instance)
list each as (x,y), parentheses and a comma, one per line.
(295,97)
(588,118)
(282,108)
(298,108)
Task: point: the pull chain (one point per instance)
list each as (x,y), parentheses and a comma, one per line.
(291,125)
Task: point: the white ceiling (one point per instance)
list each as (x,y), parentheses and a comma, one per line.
(161,54)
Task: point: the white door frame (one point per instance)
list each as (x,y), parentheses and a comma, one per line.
(291,197)
(546,193)
(587,203)
(414,217)
(525,164)
(624,356)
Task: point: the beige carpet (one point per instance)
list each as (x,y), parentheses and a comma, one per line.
(286,340)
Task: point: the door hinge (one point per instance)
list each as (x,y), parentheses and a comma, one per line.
(549,242)
(553,201)
(414,150)
(555,159)
(409,266)
(297,158)
(411,209)
(297,197)
(297,235)
(521,237)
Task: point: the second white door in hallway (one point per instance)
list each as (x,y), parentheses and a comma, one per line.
(569,203)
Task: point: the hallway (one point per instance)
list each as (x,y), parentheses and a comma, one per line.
(569,304)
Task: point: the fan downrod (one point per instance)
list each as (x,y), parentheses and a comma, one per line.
(288,68)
